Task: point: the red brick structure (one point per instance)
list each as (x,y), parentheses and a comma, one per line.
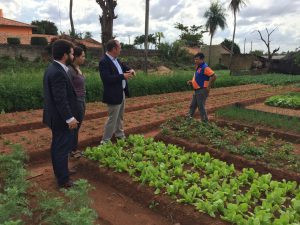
(23,31)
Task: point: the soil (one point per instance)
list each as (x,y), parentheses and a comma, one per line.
(114,203)
(276,110)
(263,130)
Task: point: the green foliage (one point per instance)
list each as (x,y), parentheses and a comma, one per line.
(290,100)
(237,142)
(227,43)
(216,17)
(255,117)
(127,46)
(13,187)
(44,27)
(190,36)
(74,209)
(13,41)
(175,53)
(15,96)
(210,185)
(42,41)
(257,52)
(140,40)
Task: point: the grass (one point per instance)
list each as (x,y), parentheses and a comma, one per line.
(254,117)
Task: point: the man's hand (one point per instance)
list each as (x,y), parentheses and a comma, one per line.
(73,124)
(132,72)
(208,90)
(128,75)
(189,82)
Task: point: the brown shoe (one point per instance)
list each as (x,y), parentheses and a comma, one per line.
(72,171)
(67,185)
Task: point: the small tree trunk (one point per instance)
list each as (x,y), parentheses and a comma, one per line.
(209,57)
(146,35)
(232,44)
(71,18)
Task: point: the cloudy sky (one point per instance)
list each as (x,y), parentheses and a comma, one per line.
(284,15)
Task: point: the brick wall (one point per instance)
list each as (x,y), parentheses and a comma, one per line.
(239,62)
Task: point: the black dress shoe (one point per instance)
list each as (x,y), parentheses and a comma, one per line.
(72,172)
(67,185)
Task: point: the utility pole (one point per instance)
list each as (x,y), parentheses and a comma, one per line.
(146,35)
(251,47)
(244,45)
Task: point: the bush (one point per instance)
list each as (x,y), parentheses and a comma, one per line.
(13,41)
(41,41)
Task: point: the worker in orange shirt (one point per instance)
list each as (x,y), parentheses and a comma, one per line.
(202,81)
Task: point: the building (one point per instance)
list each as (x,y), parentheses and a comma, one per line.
(12,28)
(217,51)
(23,31)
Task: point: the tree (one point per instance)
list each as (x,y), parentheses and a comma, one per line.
(146,34)
(235,6)
(158,37)
(106,20)
(44,27)
(71,18)
(191,36)
(215,18)
(257,52)
(228,44)
(267,43)
(88,34)
(139,40)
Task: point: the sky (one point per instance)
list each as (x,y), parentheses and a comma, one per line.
(281,15)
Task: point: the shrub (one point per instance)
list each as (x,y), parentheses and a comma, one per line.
(41,41)
(13,40)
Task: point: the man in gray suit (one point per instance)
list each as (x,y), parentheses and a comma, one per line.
(114,76)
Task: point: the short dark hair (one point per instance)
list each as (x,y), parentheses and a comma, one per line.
(60,47)
(111,44)
(199,55)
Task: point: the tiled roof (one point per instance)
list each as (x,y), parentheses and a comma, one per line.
(9,22)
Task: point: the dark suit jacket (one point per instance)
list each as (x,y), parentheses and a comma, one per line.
(60,103)
(112,81)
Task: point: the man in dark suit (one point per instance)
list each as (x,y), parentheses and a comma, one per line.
(114,76)
(60,109)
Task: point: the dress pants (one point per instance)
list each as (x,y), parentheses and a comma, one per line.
(81,113)
(114,123)
(62,144)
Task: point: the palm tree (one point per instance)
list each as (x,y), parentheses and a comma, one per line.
(159,36)
(235,6)
(215,18)
(71,18)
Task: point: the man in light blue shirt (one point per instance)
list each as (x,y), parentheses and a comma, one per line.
(114,76)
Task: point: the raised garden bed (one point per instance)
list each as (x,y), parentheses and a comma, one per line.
(267,152)
(209,185)
(290,100)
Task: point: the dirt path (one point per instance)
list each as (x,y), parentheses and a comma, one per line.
(113,207)
(276,110)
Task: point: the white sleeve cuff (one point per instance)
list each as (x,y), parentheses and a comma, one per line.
(70,120)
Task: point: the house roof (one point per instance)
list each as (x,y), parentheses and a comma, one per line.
(14,23)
